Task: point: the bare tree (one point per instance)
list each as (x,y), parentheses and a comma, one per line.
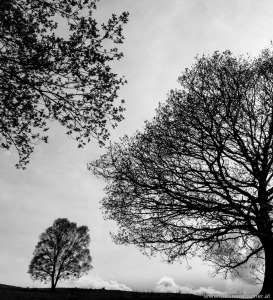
(198,180)
(46,75)
(61,253)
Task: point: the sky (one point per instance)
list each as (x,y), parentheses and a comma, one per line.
(161,40)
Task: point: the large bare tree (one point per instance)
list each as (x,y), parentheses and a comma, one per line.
(198,180)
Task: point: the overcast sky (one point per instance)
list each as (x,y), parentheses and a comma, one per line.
(161,40)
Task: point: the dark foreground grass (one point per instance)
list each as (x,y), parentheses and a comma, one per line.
(8,292)
(15,293)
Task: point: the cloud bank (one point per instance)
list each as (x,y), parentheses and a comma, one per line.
(95,282)
(242,285)
(235,285)
(168,285)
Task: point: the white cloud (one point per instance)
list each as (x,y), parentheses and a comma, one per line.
(242,283)
(95,282)
(239,285)
(168,285)
(207,291)
(234,285)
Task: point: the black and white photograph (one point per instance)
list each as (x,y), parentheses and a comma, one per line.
(136,149)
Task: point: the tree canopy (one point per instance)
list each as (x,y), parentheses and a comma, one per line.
(61,253)
(47,74)
(198,180)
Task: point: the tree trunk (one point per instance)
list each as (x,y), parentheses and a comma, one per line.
(53,285)
(267,289)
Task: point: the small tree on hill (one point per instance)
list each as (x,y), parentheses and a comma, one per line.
(61,253)
(199,179)
(47,75)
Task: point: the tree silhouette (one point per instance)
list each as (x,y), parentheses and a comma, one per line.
(198,180)
(46,76)
(61,253)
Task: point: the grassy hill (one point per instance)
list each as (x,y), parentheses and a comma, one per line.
(8,292)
